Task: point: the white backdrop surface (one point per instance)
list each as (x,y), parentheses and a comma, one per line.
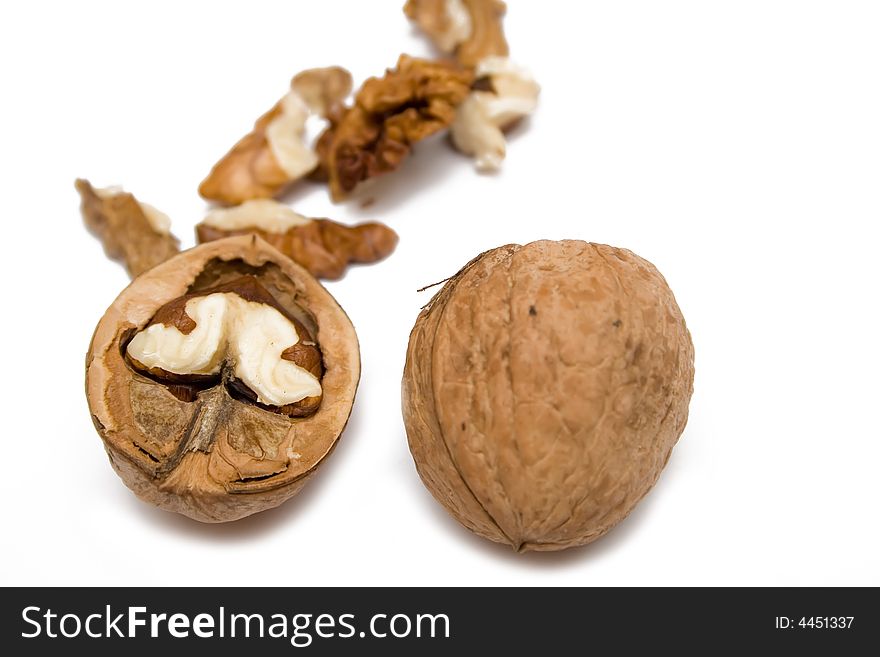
(735,145)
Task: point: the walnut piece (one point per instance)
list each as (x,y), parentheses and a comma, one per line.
(325,247)
(134,233)
(446,22)
(373,137)
(545,387)
(274,155)
(471,29)
(322,89)
(479,125)
(193,372)
(238,326)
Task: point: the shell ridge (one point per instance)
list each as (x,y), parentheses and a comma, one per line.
(451,284)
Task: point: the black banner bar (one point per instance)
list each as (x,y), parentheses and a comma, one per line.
(336,621)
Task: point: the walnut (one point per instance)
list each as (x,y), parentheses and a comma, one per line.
(322,246)
(239,325)
(471,29)
(274,154)
(544,389)
(389,115)
(221,379)
(481,120)
(134,233)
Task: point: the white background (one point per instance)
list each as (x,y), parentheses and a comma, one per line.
(734,144)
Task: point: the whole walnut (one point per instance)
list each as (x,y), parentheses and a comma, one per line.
(544,389)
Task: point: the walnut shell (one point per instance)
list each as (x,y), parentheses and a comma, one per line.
(212,454)
(544,389)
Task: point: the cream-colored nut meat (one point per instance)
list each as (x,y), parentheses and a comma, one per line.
(323,246)
(285,135)
(275,153)
(221,379)
(249,334)
(480,121)
(544,389)
(261,214)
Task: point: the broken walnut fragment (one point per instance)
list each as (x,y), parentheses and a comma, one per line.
(134,233)
(221,379)
(274,154)
(409,103)
(470,29)
(505,94)
(324,247)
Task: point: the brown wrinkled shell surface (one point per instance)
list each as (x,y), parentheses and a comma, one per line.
(125,231)
(373,137)
(544,389)
(325,247)
(219,457)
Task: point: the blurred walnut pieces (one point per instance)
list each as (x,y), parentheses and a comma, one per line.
(375,133)
(324,247)
(469,29)
(133,233)
(503,93)
(138,235)
(274,154)
(477,95)
(409,103)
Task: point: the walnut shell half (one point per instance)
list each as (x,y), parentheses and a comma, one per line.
(544,389)
(204,446)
